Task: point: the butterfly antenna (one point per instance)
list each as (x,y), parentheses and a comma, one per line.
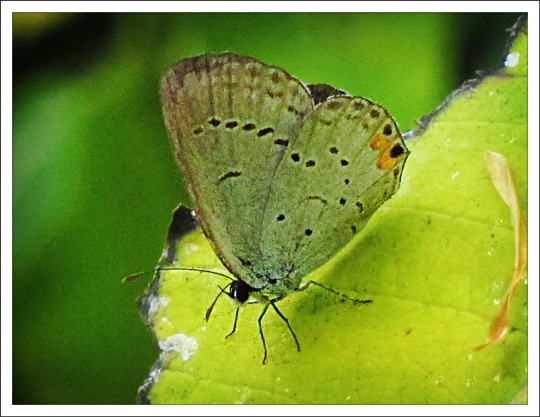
(140,274)
(150,271)
(209,311)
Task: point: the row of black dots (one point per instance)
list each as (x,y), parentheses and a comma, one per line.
(342,201)
(361,209)
(335,151)
(215,122)
(373,113)
(311,163)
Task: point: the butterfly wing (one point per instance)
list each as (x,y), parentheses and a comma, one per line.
(347,160)
(281,177)
(230,120)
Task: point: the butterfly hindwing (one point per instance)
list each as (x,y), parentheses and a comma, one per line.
(337,173)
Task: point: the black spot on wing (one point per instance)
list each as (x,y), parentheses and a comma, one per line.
(316,197)
(231,174)
(249,126)
(264,132)
(396,151)
(214,122)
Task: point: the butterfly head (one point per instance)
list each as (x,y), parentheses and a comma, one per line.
(240,291)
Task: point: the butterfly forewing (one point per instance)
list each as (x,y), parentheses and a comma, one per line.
(230,120)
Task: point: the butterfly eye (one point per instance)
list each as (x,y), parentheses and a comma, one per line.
(240,291)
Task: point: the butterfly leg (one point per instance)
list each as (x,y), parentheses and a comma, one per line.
(235,321)
(287,322)
(355,300)
(261,332)
(272,303)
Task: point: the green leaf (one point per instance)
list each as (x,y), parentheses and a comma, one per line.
(436,259)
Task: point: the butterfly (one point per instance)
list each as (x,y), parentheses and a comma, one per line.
(282,175)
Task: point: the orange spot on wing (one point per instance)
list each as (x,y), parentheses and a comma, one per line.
(384,145)
(386,161)
(380,142)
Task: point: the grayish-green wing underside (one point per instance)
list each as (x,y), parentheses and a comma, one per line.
(281,175)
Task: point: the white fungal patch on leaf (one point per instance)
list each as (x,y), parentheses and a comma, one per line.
(156,303)
(180,343)
(191,248)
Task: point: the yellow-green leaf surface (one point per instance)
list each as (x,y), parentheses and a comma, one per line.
(436,260)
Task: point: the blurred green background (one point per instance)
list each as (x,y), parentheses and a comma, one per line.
(94,183)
